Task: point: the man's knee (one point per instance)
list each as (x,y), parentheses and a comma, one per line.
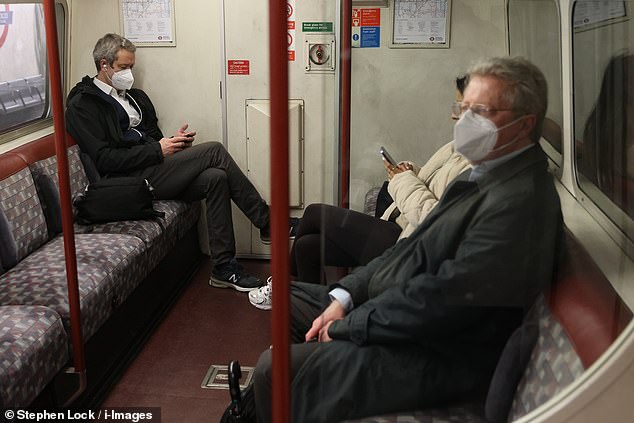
(307,248)
(313,211)
(213,177)
(212,147)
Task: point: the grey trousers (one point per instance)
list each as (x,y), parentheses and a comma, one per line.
(207,171)
(340,380)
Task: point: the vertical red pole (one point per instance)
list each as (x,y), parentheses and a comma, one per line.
(64,183)
(278,57)
(346,71)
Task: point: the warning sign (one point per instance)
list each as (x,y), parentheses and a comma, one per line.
(370,17)
(238,67)
(290,17)
(366,27)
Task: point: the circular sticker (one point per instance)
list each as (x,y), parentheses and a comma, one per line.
(5,30)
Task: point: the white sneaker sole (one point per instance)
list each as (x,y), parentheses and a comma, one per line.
(260,306)
(217,283)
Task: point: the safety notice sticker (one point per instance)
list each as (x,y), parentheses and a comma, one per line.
(290,17)
(366,27)
(238,67)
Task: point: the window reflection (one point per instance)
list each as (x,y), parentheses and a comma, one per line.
(603,89)
(606,151)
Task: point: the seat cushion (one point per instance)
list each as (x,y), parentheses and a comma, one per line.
(23,225)
(33,348)
(470,412)
(159,235)
(77,175)
(109,267)
(545,377)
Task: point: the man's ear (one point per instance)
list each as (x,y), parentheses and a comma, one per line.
(528,124)
(103,64)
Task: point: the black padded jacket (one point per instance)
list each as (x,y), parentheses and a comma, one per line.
(94,124)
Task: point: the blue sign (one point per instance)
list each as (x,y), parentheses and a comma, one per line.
(6,18)
(370,36)
(355,37)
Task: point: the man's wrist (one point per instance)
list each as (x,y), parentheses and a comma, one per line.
(343,297)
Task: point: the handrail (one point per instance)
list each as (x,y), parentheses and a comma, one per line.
(64,185)
(346,85)
(278,58)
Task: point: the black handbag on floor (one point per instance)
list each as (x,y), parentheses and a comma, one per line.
(112,199)
(241,409)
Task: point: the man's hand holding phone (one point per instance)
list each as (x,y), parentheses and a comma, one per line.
(173,145)
(190,135)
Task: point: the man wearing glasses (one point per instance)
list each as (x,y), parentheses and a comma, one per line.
(426,321)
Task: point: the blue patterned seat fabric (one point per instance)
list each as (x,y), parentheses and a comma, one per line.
(32,349)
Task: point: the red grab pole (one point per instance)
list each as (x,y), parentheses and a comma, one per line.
(64,184)
(346,71)
(278,57)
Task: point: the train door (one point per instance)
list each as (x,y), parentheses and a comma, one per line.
(312,63)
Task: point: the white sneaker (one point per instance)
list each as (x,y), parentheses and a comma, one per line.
(262,297)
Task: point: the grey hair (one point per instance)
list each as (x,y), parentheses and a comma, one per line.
(527,91)
(108,46)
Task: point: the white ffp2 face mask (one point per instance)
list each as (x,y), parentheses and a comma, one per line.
(475,136)
(122,80)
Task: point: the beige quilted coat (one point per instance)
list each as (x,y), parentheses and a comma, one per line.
(416,192)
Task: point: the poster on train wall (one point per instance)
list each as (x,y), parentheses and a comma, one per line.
(148,22)
(290,18)
(420,24)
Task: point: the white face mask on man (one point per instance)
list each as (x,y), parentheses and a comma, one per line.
(475,136)
(121,80)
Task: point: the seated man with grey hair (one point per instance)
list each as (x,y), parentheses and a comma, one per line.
(427,320)
(116,126)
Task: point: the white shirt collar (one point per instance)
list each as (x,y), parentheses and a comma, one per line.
(109,90)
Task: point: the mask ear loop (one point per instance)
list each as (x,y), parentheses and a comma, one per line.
(517,137)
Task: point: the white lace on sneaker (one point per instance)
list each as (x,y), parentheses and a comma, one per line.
(262,297)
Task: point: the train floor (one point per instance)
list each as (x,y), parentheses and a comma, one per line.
(205,326)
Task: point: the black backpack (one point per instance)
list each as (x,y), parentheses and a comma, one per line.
(241,409)
(112,199)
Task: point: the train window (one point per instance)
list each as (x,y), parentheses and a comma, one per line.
(542,47)
(24,91)
(603,67)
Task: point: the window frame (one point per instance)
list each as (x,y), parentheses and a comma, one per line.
(614,220)
(42,123)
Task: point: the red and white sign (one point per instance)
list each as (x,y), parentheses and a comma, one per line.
(366,17)
(371,17)
(238,67)
(290,17)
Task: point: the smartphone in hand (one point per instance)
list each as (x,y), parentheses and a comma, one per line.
(387,157)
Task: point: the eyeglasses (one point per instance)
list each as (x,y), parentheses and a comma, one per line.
(458,108)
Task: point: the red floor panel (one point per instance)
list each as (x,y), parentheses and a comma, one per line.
(206,326)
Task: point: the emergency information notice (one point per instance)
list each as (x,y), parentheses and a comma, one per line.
(115,414)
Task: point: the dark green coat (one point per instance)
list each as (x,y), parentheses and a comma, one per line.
(433,312)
